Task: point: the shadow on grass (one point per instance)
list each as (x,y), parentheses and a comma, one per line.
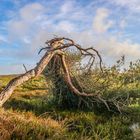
(36,104)
(41,104)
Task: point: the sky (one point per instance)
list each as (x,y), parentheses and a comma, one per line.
(110,26)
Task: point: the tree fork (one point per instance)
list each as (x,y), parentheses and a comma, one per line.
(56,47)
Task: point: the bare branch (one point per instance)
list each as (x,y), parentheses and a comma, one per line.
(58,46)
(25,68)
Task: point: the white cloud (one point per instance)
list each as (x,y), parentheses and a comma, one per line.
(123,23)
(3,39)
(112,49)
(65,26)
(25,21)
(31,12)
(33,26)
(72,10)
(101,23)
(133,5)
(67,7)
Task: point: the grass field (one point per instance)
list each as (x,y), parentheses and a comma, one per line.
(30,115)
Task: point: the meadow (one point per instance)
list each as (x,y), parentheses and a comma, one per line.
(32,113)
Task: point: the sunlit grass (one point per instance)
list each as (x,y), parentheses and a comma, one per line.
(29,114)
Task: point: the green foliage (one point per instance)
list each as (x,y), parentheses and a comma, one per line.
(38,110)
(115,84)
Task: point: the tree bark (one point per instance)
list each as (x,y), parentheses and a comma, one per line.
(69,81)
(8,90)
(55,47)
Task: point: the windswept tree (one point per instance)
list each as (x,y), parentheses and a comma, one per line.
(56,62)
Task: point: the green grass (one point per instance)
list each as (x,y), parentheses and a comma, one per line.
(30,115)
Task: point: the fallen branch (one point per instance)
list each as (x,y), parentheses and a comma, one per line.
(57,46)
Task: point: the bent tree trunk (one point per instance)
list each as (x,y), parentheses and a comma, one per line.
(8,90)
(56,47)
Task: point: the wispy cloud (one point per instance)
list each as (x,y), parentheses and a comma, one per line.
(103,24)
(3,39)
(26,19)
(133,5)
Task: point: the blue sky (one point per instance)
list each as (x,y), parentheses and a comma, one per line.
(111,26)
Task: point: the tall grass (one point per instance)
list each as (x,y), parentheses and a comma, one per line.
(34,112)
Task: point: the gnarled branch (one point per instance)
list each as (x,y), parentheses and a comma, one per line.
(56,46)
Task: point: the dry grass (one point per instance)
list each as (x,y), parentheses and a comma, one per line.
(25,125)
(28,116)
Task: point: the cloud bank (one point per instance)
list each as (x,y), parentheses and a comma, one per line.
(96,23)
